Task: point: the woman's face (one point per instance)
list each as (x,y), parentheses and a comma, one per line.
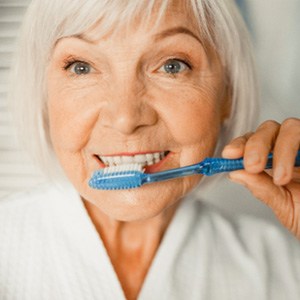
(129,95)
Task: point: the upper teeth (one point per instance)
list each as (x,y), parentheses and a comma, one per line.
(142,159)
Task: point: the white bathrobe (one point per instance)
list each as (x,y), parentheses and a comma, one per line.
(49,249)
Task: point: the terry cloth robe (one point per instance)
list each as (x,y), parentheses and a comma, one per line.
(50,249)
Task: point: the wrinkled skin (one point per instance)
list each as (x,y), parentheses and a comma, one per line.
(126,102)
(279,188)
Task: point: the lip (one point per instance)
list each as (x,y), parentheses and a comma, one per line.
(131,153)
(148,169)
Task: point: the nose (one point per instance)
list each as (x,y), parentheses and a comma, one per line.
(127,109)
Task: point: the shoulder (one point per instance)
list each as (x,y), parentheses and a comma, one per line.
(30,219)
(243,255)
(26,197)
(35,196)
(248,233)
(25,200)
(36,205)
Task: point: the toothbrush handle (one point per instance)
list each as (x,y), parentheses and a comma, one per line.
(213,166)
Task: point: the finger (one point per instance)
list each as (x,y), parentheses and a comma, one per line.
(236,147)
(259,146)
(276,197)
(285,151)
(296,175)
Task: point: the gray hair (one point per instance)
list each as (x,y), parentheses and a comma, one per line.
(46,22)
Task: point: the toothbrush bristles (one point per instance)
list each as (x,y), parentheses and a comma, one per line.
(118,177)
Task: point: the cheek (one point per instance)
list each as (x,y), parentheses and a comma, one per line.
(193,118)
(194,122)
(72,116)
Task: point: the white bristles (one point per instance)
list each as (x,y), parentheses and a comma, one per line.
(123,168)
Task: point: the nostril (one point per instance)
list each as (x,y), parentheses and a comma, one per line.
(127,116)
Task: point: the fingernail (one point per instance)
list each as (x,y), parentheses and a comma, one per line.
(253,159)
(279,174)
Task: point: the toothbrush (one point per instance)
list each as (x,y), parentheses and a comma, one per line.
(132,175)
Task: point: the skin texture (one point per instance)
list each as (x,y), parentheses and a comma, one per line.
(127,103)
(280,187)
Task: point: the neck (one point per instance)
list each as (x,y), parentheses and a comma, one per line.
(131,246)
(129,235)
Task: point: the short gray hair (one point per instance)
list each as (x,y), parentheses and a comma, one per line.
(220,23)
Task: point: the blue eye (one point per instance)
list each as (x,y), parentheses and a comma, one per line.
(80,68)
(174,66)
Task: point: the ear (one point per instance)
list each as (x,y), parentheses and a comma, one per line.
(226,103)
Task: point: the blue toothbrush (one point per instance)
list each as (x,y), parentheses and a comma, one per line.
(132,176)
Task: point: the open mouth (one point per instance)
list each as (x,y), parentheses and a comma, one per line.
(145,160)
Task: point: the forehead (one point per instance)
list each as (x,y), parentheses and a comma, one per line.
(161,16)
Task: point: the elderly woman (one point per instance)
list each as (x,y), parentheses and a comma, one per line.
(164,84)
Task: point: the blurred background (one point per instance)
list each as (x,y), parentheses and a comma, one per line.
(275,31)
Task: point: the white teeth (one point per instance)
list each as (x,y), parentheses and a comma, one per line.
(105,160)
(149,158)
(141,159)
(156,157)
(127,159)
(117,160)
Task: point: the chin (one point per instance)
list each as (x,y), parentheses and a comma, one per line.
(138,204)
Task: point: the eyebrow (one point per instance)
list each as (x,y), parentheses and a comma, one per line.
(159,36)
(83,37)
(174,31)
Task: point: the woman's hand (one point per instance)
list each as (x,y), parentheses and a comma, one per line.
(279,188)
